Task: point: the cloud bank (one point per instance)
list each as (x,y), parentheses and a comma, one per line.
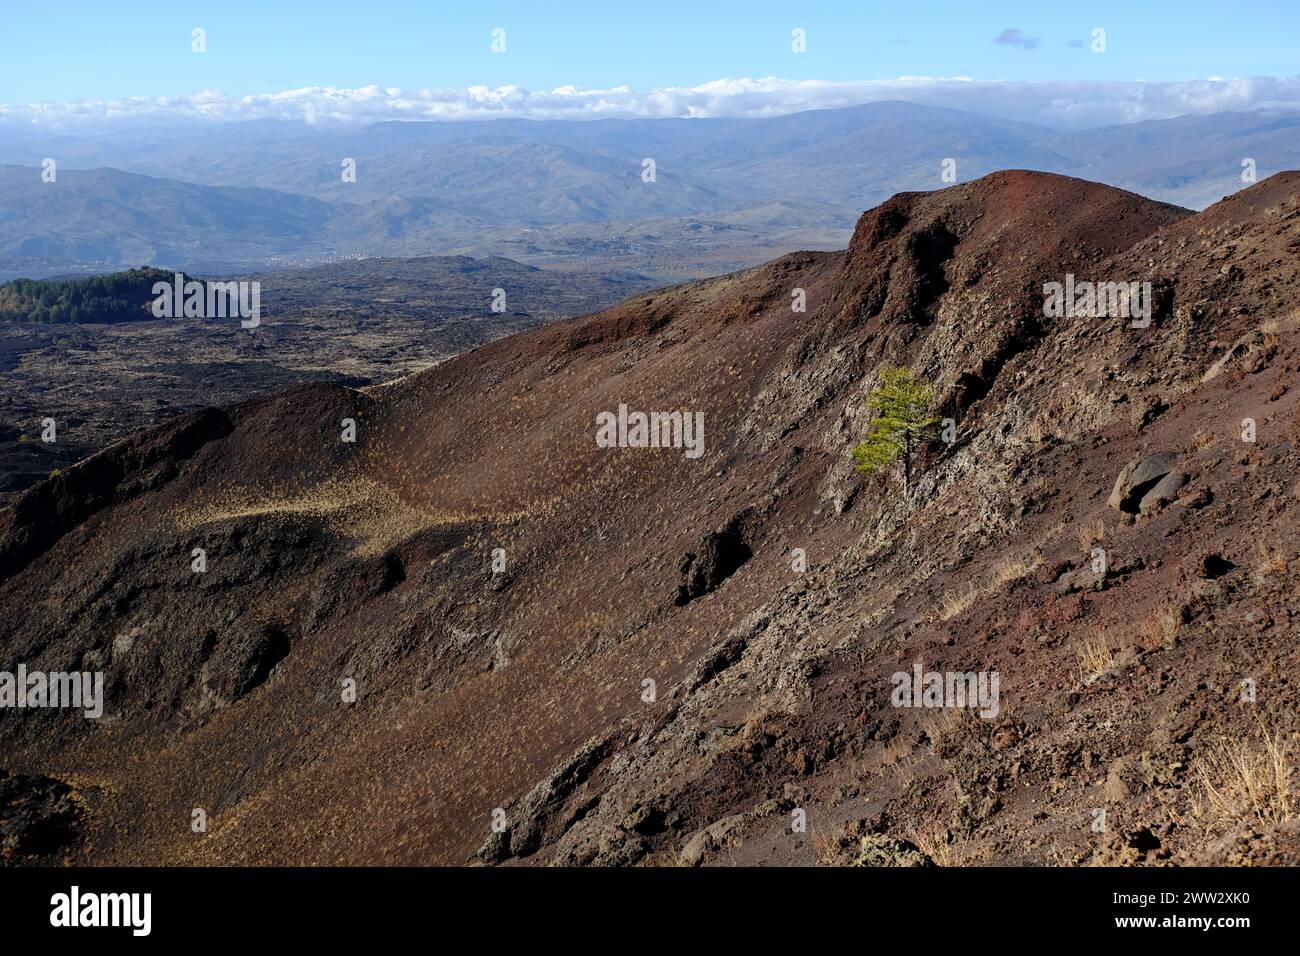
(1066,105)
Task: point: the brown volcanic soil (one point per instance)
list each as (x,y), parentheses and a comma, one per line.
(523,690)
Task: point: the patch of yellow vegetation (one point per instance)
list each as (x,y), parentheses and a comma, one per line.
(1241,779)
(1005,572)
(362,509)
(1096,658)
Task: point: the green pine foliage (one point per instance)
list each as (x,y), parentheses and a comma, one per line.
(903,422)
(120,297)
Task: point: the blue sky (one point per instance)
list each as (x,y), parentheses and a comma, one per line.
(329,61)
(109,50)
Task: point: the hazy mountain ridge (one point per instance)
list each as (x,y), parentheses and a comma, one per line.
(193,195)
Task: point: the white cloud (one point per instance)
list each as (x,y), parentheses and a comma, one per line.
(1061,104)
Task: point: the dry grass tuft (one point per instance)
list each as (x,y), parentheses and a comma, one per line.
(371,514)
(940,727)
(1006,571)
(1269,562)
(1009,570)
(1244,779)
(1270,330)
(1160,628)
(827,849)
(1091,530)
(1096,657)
(897,756)
(939,844)
(952,603)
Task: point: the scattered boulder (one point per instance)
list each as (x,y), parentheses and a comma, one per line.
(1139,477)
(710,839)
(1080,579)
(1051,573)
(1164,492)
(1197,497)
(1088,578)
(1128,775)
(1211,565)
(1147,410)
(1252,352)
(867,843)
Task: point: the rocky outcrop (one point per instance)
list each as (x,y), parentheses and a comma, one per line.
(719,555)
(38,818)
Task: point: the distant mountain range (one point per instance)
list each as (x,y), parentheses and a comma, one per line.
(726,192)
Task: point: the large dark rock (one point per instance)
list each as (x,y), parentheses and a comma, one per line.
(1162,492)
(1139,477)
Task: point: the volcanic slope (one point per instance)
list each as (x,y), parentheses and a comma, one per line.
(617,649)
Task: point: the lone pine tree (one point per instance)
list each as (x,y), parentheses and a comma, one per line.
(903,422)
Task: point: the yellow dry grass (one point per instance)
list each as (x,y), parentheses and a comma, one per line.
(938,843)
(361,509)
(827,849)
(1270,561)
(941,726)
(1090,531)
(1009,570)
(1006,571)
(1241,779)
(952,603)
(1160,628)
(1096,657)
